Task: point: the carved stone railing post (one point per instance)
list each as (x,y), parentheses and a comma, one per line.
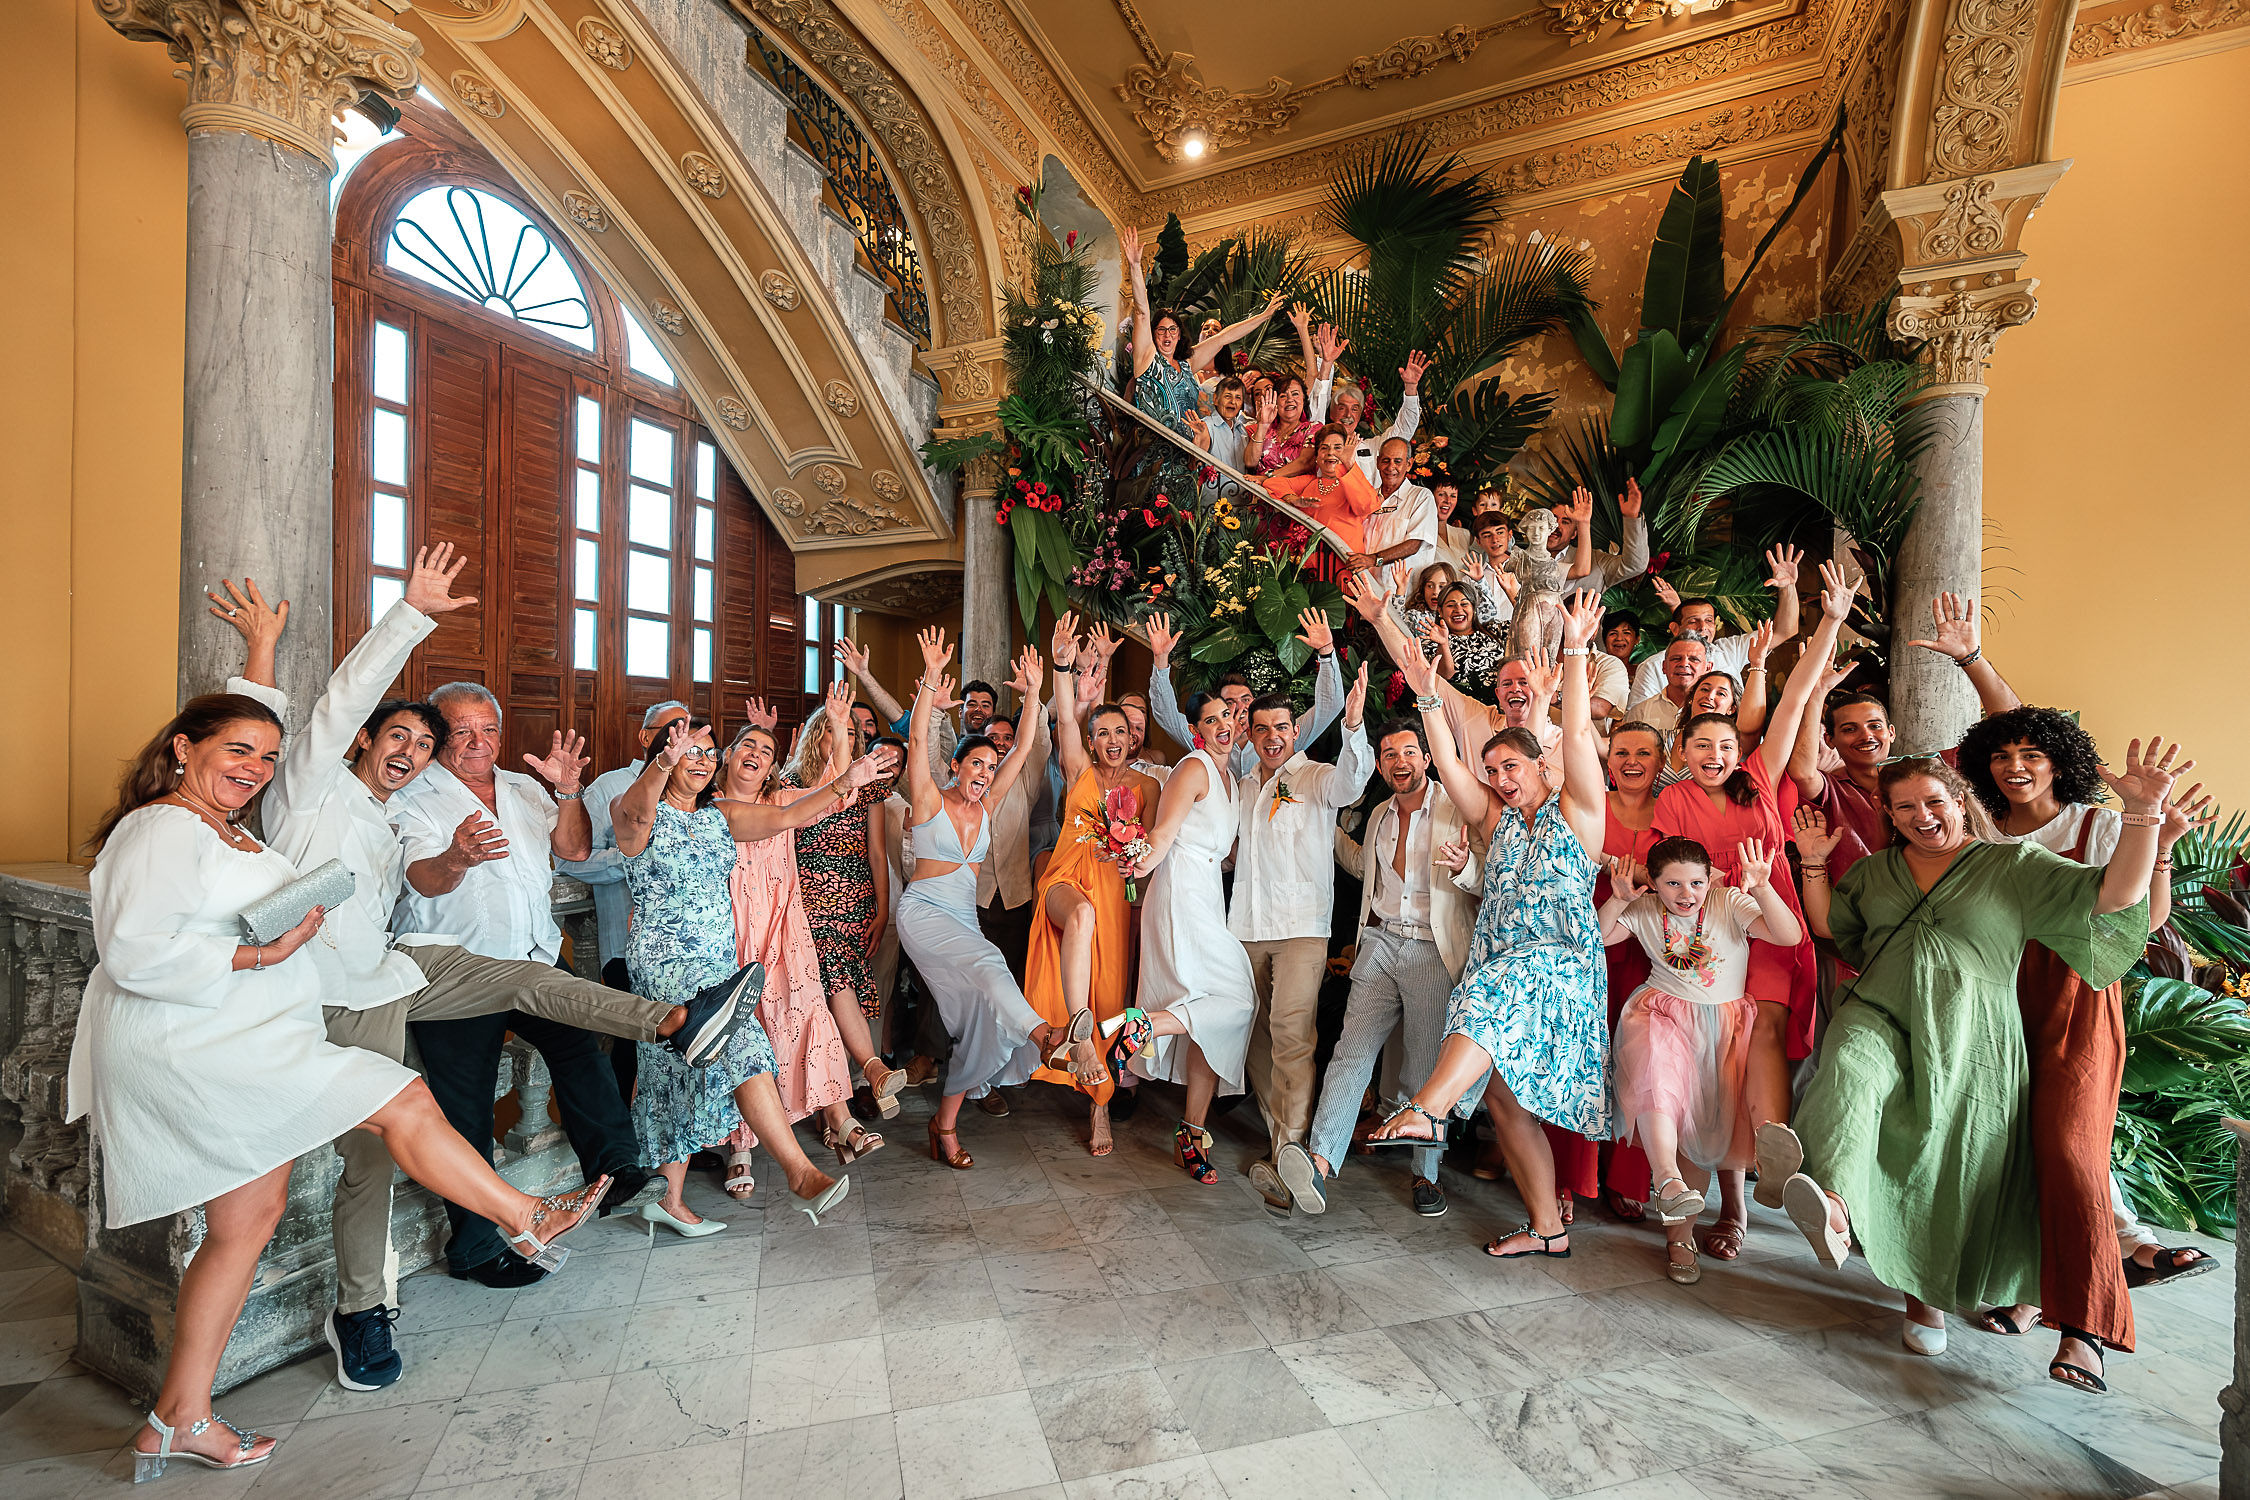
(973,381)
(2234,1398)
(46,950)
(265,79)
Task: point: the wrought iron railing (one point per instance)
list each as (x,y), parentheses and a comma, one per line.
(861,187)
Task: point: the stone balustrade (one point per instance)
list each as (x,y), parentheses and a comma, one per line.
(50,1182)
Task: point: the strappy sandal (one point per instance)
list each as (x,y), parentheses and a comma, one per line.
(1133,1029)
(1436,1137)
(2169,1266)
(739,1183)
(885,1083)
(1190,1145)
(1689,1274)
(853,1144)
(1997,1320)
(147,1466)
(2071,1375)
(953,1156)
(576,1207)
(1492,1247)
(1681,1207)
(1081,1028)
(1621,1208)
(1724,1241)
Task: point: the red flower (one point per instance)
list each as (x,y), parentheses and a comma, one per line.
(1023,194)
(1150,517)
(1040,488)
(1656,564)
(1160,500)
(1070,240)
(1022,485)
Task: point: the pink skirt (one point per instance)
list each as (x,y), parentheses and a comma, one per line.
(1686,1061)
(811,1068)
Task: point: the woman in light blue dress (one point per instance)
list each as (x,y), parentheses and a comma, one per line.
(679,850)
(1532,1005)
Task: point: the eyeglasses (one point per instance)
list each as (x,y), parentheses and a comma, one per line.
(697,752)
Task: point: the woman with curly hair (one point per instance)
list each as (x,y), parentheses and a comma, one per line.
(2038,774)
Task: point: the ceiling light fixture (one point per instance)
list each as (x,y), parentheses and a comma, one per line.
(1193,145)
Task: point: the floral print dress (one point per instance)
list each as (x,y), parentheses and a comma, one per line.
(836,880)
(683,940)
(1168,392)
(1534,994)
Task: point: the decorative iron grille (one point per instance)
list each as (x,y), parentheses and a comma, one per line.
(860,184)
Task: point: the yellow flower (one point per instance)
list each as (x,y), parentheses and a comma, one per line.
(1230,523)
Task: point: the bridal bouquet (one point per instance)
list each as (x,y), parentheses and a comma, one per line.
(1122,837)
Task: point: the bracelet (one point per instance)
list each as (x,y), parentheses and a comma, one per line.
(1972,658)
(1428,703)
(2141,820)
(2164,864)
(1760,670)
(1578,651)
(1816,872)
(578,796)
(258,964)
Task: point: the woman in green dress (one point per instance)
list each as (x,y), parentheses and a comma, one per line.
(1914,1133)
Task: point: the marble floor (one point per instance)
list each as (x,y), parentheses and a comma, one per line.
(1054,1326)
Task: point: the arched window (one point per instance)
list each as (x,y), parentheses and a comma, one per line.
(492,393)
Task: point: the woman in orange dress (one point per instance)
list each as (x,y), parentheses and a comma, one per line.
(1081,925)
(1335,493)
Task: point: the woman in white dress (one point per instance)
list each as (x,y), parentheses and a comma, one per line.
(206,1065)
(1192,1026)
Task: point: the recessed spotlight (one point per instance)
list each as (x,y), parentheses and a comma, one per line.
(1193,145)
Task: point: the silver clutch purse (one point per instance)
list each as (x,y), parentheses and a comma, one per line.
(327,887)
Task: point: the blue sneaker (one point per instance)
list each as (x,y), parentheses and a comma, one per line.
(365,1360)
(715,1013)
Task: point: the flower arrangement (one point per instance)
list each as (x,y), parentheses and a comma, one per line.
(1121,837)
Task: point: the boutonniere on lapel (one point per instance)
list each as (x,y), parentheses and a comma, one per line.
(1282,796)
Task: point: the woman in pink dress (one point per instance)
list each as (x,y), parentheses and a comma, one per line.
(814,1071)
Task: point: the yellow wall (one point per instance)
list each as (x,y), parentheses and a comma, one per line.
(2114,438)
(89,416)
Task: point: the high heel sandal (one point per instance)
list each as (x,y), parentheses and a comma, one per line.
(816,1206)
(853,1144)
(1808,1210)
(2071,1375)
(954,1156)
(885,1083)
(147,1466)
(1436,1137)
(1080,1029)
(739,1183)
(1492,1247)
(544,1252)
(1679,1207)
(1781,1156)
(1133,1030)
(1190,1147)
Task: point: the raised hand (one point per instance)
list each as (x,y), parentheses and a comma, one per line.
(941,693)
(1410,374)
(1313,629)
(1581,505)
(1624,882)
(935,652)
(838,705)
(1629,503)
(1402,581)
(873,766)
(1299,314)
(1665,592)
(1544,671)
(1814,839)
(1581,617)
(1364,594)
(1761,643)
(1199,430)
(1756,866)
(1062,644)
(2146,781)
(852,654)
(675,745)
(1836,594)
(1355,700)
(760,715)
(246,610)
(1782,565)
(479,841)
(1028,670)
(429,588)
(1269,406)
(1327,345)
(1420,673)
(1954,631)
(2192,809)
(562,765)
(1161,639)
(1454,855)
(1102,642)
(1129,244)
(1437,634)
(1472,567)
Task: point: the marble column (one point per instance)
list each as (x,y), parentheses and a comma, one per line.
(264,79)
(1931,701)
(988,588)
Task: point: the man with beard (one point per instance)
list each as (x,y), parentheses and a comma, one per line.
(1135,706)
(1418,900)
(1284,889)
(1609,564)
(1524,692)
(326,804)
(1328,689)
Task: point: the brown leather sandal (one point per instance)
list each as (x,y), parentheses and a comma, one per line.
(956,1158)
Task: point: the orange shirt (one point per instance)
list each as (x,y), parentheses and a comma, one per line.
(1341,512)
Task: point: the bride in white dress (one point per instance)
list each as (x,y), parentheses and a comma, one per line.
(1192,1025)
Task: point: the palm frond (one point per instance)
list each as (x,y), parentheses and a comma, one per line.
(1486,426)
(1568,461)
(1868,488)
(1528,291)
(1410,213)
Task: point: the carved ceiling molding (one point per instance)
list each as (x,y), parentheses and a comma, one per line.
(275,69)
(970,87)
(1736,125)
(2097,41)
(1584,21)
(1013,231)
(924,172)
(913,590)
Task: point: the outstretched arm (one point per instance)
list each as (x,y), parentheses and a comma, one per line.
(1233,331)
(1585,787)
(1958,637)
(749,822)
(1782,564)
(1063,647)
(1029,670)
(931,697)
(1776,923)
(2145,787)
(1815,841)
(1163,702)
(1479,809)
(854,657)
(1805,677)
(1144,338)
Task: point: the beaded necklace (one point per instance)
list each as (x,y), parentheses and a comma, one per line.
(1697,954)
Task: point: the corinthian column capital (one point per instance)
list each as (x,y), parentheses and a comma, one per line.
(277,69)
(1959,321)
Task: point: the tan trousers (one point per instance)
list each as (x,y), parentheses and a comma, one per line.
(1285,1033)
(461,984)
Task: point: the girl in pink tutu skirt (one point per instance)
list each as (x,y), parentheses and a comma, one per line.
(1683,1040)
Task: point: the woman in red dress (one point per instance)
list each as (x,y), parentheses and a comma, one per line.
(1728,797)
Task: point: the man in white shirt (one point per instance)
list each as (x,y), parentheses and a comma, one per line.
(1455,545)
(1682,662)
(1345,408)
(1609,564)
(1408,512)
(1700,618)
(321,806)
(1284,886)
(1242,759)
(1416,914)
(479,842)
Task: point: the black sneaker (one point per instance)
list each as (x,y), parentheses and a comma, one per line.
(625,1184)
(365,1360)
(503,1273)
(715,1013)
(1429,1199)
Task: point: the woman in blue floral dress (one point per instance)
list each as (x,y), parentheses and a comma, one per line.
(1532,1006)
(679,853)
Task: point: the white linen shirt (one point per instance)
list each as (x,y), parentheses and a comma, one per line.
(1405,425)
(2059,834)
(1731,656)
(1285,855)
(316,810)
(1397,898)
(503,909)
(1408,515)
